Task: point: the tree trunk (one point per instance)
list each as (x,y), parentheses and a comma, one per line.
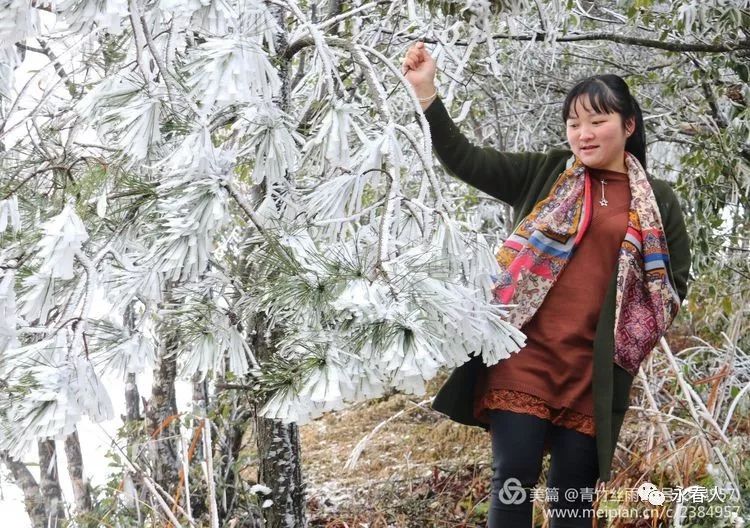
(280,455)
(162,420)
(228,447)
(199,489)
(81,486)
(279,451)
(133,419)
(132,397)
(32,495)
(281,470)
(132,401)
(200,406)
(49,484)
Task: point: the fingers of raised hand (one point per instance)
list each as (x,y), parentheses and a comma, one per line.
(414,56)
(407,64)
(412,59)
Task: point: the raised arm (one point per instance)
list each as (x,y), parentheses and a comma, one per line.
(504,175)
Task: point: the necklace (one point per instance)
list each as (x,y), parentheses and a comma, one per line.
(603,202)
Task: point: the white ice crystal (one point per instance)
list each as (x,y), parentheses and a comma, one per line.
(192,212)
(63,237)
(374,152)
(8,315)
(9,215)
(337,197)
(305,251)
(328,384)
(197,158)
(217,17)
(332,138)
(65,389)
(19,20)
(107,14)
(260,488)
(124,114)
(270,141)
(134,355)
(366,300)
(61,243)
(284,405)
(39,297)
(9,60)
(211,351)
(230,70)
(481,267)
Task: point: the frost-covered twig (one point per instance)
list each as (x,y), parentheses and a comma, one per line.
(350,218)
(186,476)
(252,216)
(425,154)
(138,38)
(362,444)
(426,163)
(211,488)
(156,490)
(34,78)
(391,203)
(159,500)
(371,77)
(349,13)
(88,290)
(692,398)
(320,44)
(733,405)
(655,408)
(662,426)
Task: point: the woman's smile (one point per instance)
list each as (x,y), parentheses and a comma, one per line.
(597,138)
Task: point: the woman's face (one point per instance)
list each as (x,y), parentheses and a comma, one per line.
(597,139)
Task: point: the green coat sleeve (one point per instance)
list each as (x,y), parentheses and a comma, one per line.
(504,175)
(678,242)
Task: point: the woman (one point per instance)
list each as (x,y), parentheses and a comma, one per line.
(620,238)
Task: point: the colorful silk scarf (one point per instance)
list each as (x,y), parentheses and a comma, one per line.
(535,254)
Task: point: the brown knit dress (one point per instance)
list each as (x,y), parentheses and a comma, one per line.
(551,376)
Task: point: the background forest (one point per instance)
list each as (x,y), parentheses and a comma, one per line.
(222,219)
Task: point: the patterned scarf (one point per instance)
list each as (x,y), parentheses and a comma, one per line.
(537,251)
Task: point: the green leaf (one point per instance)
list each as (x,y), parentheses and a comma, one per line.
(742,70)
(726,305)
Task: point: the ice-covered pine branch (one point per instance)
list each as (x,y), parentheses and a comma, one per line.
(124,114)
(372,334)
(52,387)
(63,236)
(192,207)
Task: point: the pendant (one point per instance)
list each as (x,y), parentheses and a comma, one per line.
(603,202)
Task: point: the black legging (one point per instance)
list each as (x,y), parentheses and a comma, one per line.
(517,451)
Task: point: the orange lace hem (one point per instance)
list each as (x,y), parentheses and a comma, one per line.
(521,402)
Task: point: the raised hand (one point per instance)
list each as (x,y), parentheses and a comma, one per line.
(419,69)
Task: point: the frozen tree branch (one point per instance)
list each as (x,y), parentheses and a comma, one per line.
(31,492)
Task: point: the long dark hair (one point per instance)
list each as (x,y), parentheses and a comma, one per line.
(607,94)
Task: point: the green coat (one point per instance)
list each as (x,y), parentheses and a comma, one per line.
(521,180)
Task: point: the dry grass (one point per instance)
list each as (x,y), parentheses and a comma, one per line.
(423,470)
(419,469)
